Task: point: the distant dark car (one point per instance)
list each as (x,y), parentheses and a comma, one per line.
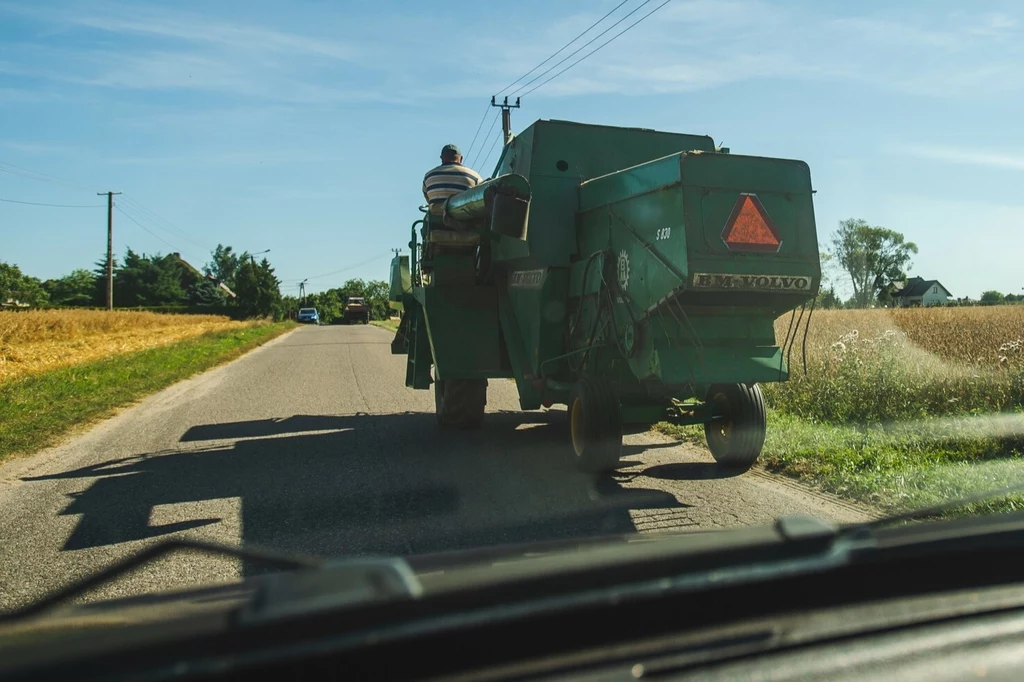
(308,315)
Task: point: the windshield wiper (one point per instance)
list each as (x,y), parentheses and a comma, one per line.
(264,557)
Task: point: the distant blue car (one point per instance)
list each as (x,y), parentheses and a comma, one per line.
(309,315)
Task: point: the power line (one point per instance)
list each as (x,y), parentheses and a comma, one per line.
(163,223)
(589,28)
(579,49)
(144,228)
(33,203)
(345,269)
(599,46)
(477,134)
(483,118)
(40,176)
(491,150)
(483,140)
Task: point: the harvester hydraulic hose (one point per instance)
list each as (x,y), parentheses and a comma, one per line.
(789,353)
(583,289)
(785,342)
(803,347)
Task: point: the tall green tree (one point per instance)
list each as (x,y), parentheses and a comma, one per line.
(873,258)
(258,289)
(143,280)
(224,264)
(75,289)
(16,285)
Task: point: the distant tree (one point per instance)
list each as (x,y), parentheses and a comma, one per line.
(143,280)
(204,292)
(224,264)
(99,271)
(827,298)
(21,287)
(992,298)
(872,257)
(75,289)
(258,289)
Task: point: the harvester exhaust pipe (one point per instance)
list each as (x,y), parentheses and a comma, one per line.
(501,205)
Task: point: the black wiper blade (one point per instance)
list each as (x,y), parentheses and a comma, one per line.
(269,558)
(943,507)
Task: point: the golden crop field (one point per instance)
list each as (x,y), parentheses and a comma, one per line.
(977,336)
(35,341)
(887,365)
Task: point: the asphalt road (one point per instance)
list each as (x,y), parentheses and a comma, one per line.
(313,444)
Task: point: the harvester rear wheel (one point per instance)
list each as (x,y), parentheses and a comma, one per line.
(736,436)
(460,403)
(595,425)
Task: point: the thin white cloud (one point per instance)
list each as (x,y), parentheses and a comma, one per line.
(972,157)
(37,148)
(128,19)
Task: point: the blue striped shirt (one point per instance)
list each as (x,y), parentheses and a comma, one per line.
(446,180)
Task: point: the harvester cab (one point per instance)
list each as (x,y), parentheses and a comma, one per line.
(632,275)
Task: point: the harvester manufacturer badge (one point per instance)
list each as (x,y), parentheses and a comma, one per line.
(750,228)
(527,279)
(623,269)
(726,280)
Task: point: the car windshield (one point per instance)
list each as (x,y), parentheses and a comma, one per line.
(351,279)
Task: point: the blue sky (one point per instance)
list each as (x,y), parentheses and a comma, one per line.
(305,128)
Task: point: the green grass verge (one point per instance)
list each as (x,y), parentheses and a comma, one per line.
(894,467)
(36,411)
(391,325)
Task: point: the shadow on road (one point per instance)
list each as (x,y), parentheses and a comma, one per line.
(689,471)
(359,484)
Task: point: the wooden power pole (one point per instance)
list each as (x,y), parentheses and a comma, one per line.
(110,248)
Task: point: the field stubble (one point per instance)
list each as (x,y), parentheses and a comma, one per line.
(42,340)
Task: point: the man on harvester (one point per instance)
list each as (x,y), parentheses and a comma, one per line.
(439,184)
(448,179)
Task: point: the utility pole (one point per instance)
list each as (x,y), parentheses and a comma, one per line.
(302,291)
(506,116)
(110,247)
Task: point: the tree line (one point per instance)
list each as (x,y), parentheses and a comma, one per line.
(231,281)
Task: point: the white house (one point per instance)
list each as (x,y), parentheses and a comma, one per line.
(918,292)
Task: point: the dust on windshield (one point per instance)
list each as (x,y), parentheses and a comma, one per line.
(579,270)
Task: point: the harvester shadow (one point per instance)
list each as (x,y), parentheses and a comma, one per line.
(354,485)
(689,471)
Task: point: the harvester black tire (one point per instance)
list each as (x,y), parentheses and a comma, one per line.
(736,439)
(439,401)
(595,426)
(460,403)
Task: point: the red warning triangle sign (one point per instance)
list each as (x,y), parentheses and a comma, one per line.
(750,228)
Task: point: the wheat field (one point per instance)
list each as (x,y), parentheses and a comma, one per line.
(39,340)
(884,365)
(976,336)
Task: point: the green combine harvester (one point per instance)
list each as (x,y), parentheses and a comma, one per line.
(632,275)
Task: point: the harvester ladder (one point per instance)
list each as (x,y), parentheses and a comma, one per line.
(417,368)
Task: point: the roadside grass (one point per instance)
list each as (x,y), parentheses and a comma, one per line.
(391,325)
(893,467)
(900,408)
(41,340)
(37,410)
